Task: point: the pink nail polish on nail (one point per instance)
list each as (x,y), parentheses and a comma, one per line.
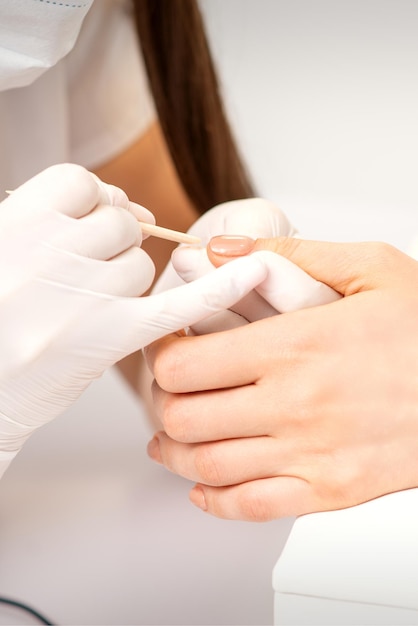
(231,245)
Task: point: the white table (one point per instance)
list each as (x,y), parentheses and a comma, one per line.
(355,566)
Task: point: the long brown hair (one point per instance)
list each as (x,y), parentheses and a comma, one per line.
(188,102)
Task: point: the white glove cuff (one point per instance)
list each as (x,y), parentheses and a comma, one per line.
(5,459)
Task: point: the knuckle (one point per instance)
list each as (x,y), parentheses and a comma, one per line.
(378,260)
(169,368)
(173,420)
(116,196)
(116,224)
(380,253)
(288,246)
(208,466)
(254,507)
(72,170)
(77,176)
(335,480)
(120,221)
(381,248)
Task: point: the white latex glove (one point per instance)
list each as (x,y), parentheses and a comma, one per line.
(293,289)
(70,271)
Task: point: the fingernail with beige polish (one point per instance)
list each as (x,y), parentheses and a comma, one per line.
(153,450)
(197,497)
(231,245)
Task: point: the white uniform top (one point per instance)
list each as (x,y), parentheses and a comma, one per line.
(86,109)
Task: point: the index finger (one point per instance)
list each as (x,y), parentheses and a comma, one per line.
(186,364)
(74,191)
(67,188)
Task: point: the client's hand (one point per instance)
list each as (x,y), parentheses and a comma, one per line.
(307,411)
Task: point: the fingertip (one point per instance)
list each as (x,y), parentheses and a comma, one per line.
(197,497)
(110,194)
(141,214)
(190,262)
(114,196)
(154,350)
(153,450)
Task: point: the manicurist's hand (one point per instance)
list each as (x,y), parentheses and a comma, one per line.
(71,273)
(306,411)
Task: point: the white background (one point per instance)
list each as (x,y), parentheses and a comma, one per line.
(323,96)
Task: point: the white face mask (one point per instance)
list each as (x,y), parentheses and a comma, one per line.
(35,35)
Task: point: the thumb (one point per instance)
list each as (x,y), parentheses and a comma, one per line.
(346,267)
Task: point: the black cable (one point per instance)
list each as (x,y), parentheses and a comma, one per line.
(27,608)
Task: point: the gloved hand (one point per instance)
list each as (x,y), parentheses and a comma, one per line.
(292,288)
(70,273)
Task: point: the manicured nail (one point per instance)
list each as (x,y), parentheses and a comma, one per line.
(231,245)
(197,497)
(153,450)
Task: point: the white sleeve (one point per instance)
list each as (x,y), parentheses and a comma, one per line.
(109,99)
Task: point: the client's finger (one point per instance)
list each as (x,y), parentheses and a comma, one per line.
(219,414)
(258,500)
(219,463)
(174,361)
